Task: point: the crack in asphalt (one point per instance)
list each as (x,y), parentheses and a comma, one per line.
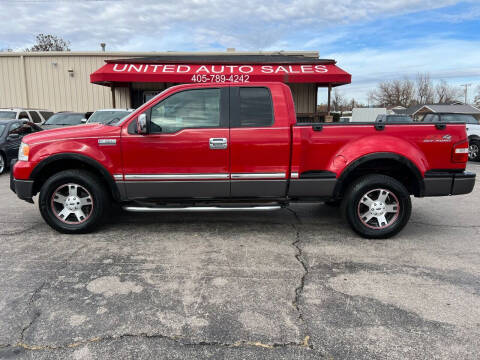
(300,258)
(36,295)
(174,338)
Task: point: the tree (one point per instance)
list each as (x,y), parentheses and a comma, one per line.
(445,93)
(338,101)
(49,43)
(476,101)
(425,90)
(394,93)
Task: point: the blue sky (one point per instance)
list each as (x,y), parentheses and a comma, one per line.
(374,40)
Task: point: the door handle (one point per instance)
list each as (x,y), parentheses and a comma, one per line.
(218,143)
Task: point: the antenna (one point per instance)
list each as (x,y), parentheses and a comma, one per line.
(465,91)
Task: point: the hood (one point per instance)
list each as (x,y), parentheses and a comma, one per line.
(72,132)
(48,127)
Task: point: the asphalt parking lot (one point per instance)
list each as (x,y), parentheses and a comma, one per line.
(286,284)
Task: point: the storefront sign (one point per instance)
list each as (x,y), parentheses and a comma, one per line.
(197,73)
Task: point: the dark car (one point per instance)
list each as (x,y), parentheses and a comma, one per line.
(394,118)
(62,119)
(11,134)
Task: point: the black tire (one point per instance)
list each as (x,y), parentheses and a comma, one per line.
(353,206)
(474,150)
(3,163)
(100,201)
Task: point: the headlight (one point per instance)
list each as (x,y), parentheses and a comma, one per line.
(23,152)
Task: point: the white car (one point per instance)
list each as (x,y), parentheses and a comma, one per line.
(106,116)
(473,129)
(37,116)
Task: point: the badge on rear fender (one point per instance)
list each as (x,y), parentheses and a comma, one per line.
(438,138)
(107,141)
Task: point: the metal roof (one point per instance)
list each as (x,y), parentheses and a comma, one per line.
(224,59)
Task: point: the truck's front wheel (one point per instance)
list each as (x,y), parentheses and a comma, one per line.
(377,206)
(73,201)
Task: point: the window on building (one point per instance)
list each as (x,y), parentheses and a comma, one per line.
(187,109)
(255,107)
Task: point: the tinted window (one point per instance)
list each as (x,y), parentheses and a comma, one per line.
(469,119)
(46,114)
(14,128)
(65,119)
(431,118)
(35,117)
(255,107)
(8,114)
(23,115)
(398,118)
(186,109)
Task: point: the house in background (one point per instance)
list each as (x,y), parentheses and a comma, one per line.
(455,108)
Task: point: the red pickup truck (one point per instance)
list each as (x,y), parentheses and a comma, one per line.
(231,146)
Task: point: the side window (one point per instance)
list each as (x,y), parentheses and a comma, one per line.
(46,114)
(25,129)
(14,129)
(431,118)
(23,115)
(198,108)
(255,107)
(35,117)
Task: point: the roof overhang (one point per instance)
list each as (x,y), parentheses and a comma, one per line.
(287,70)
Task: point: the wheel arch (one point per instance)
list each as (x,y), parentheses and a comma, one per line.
(385,163)
(65,161)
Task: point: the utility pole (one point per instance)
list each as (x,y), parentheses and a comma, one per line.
(465,91)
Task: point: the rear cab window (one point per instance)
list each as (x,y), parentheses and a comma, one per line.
(251,107)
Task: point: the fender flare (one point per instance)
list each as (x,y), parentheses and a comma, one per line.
(474,137)
(82,158)
(379,156)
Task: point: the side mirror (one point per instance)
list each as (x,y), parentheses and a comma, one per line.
(13,136)
(84,121)
(142,124)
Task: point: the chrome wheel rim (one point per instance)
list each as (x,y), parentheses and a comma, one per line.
(473,151)
(378,209)
(2,163)
(72,204)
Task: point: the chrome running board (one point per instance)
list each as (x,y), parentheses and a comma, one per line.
(199,208)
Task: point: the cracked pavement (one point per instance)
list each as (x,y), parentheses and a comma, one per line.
(294,283)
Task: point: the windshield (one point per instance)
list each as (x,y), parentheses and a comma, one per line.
(104,117)
(65,119)
(8,114)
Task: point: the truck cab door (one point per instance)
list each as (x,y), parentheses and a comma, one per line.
(184,155)
(259,143)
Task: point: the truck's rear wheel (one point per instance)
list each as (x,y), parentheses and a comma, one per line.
(73,201)
(377,206)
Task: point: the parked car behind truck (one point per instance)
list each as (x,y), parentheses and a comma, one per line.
(472,126)
(37,116)
(11,134)
(106,116)
(228,146)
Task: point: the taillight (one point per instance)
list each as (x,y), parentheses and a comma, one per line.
(460,152)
